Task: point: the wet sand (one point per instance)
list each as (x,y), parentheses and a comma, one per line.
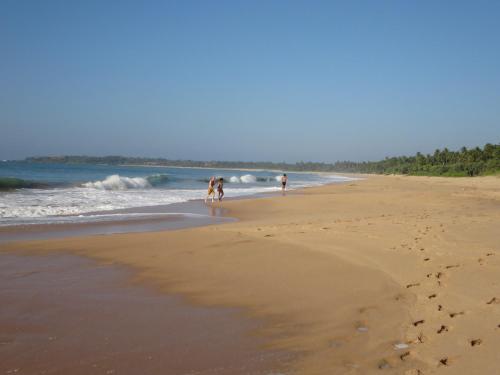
(142,219)
(394,275)
(63,314)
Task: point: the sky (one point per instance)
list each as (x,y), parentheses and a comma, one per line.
(254,80)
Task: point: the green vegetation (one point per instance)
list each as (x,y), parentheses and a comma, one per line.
(473,162)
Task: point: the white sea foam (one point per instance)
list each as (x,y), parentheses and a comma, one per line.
(116,182)
(248,179)
(245,179)
(234,180)
(118,192)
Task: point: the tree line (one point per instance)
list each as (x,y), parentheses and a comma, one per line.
(464,162)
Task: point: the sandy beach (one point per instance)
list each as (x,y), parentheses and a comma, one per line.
(396,275)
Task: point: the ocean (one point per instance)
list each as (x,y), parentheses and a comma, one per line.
(43,193)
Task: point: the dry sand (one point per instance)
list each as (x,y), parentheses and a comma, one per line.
(342,273)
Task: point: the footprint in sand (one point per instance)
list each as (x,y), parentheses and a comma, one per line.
(418,322)
(440,307)
(404,355)
(489,254)
(434,295)
(383,364)
(412,285)
(399,297)
(452,315)
(442,329)
(476,342)
(452,266)
(439,275)
(494,300)
(421,338)
(444,362)
(269,235)
(427,259)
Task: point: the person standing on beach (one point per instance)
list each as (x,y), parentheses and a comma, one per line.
(211,191)
(284,180)
(220,188)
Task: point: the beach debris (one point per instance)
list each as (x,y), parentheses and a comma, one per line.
(476,342)
(401,346)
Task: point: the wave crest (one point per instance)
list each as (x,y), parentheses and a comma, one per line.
(117,182)
(245,179)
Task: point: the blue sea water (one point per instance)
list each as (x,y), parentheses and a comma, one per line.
(32,193)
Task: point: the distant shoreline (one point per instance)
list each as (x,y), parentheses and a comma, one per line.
(460,163)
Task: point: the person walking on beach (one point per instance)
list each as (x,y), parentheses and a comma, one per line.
(220,188)
(211,191)
(284,180)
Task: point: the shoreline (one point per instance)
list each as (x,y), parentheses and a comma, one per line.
(340,273)
(189,214)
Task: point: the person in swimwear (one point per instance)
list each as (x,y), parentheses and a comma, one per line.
(220,188)
(284,180)
(211,191)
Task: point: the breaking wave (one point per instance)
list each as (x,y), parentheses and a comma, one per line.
(250,179)
(117,182)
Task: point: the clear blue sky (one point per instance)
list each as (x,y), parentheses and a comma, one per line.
(255,80)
